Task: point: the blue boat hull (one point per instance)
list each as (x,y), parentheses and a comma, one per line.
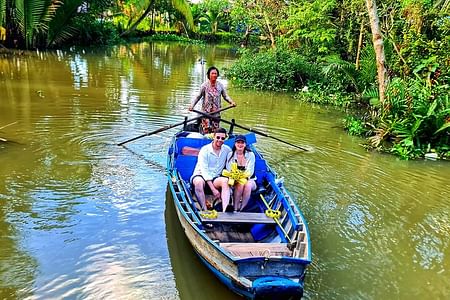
(265,260)
(266,287)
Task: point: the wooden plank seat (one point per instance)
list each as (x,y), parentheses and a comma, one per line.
(240,218)
(243,250)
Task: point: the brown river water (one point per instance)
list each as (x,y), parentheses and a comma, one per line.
(82,218)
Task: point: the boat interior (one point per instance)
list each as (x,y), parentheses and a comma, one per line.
(252,232)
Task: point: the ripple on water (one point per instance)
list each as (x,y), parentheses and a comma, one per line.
(119,271)
(83,217)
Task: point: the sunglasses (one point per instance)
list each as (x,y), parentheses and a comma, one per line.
(220,138)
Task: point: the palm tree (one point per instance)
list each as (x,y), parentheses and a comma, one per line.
(41,23)
(379,48)
(26,22)
(182,6)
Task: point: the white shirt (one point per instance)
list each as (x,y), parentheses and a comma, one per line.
(209,164)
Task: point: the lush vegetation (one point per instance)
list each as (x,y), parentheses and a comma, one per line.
(30,24)
(324,50)
(390,62)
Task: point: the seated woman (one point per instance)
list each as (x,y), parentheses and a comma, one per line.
(245,160)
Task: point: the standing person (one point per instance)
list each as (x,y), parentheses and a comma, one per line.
(211,161)
(211,91)
(245,160)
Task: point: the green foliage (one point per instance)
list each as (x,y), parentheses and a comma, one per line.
(171,38)
(418,116)
(262,18)
(32,19)
(2,12)
(44,23)
(94,32)
(184,9)
(371,96)
(309,26)
(211,12)
(61,27)
(368,66)
(340,73)
(218,37)
(320,94)
(278,70)
(355,126)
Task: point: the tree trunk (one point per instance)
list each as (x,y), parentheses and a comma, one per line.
(360,40)
(379,48)
(141,18)
(152,25)
(246,36)
(270,31)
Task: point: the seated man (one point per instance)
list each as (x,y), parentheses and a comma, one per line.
(211,161)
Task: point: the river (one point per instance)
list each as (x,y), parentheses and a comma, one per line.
(82,218)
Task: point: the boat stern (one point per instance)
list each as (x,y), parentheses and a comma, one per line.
(280,288)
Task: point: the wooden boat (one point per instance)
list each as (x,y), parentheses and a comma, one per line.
(256,254)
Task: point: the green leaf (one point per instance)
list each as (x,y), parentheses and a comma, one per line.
(432,108)
(443,127)
(374,101)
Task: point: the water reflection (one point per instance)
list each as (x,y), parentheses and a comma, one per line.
(17,268)
(193,279)
(82,218)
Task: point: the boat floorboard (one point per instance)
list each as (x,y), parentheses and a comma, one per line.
(243,250)
(230,233)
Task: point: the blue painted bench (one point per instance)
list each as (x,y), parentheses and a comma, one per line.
(185,164)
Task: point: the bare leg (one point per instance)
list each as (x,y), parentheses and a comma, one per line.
(199,185)
(248,188)
(238,189)
(222,184)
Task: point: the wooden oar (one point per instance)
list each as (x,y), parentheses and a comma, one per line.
(250,129)
(9,124)
(2,139)
(276,219)
(171,126)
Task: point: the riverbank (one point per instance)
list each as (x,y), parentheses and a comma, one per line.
(80,215)
(412,122)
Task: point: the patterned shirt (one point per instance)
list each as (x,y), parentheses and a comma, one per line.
(211,96)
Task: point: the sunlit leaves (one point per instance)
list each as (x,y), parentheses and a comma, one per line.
(309,26)
(260,16)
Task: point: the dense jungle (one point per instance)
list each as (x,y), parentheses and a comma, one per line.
(387,65)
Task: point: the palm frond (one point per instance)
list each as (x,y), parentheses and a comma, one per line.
(32,18)
(59,29)
(184,8)
(2,12)
(64,34)
(368,65)
(336,67)
(372,95)
(383,132)
(442,5)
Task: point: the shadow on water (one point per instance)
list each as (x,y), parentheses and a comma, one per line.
(192,278)
(17,268)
